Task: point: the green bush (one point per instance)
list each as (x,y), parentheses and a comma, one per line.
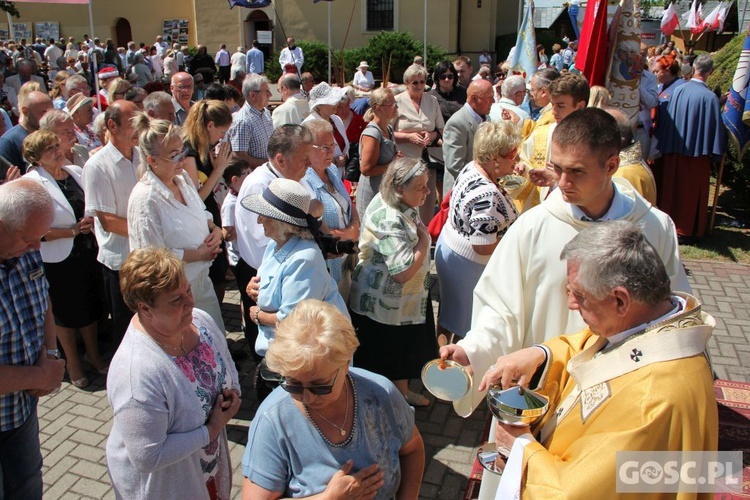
(399,47)
(736,171)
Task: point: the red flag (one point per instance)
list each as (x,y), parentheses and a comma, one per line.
(669,21)
(695,18)
(592,58)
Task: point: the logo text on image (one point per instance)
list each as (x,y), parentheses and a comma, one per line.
(679,471)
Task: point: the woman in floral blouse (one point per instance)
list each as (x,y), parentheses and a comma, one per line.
(172,387)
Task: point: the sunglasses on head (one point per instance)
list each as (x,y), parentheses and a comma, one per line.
(293,388)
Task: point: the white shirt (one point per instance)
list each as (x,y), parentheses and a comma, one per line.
(108,179)
(251,239)
(228,220)
(157,219)
(291,57)
(366,81)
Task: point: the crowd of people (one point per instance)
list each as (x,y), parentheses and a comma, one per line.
(538,205)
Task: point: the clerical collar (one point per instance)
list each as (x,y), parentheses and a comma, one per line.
(620,207)
(678,305)
(477,117)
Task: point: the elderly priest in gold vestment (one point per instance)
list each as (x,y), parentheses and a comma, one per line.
(636,379)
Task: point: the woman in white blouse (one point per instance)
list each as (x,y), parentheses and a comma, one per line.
(165,210)
(418,126)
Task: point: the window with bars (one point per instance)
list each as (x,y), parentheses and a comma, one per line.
(380,15)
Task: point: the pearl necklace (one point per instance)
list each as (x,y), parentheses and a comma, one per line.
(340,428)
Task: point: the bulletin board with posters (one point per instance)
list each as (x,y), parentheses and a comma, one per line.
(22,30)
(47,29)
(176,30)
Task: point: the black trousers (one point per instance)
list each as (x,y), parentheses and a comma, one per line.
(225,72)
(244,273)
(121,315)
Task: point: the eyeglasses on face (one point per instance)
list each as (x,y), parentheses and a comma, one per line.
(446,76)
(326,149)
(176,158)
(417,82)
(293,388)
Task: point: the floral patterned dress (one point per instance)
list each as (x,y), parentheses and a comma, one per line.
(206,370)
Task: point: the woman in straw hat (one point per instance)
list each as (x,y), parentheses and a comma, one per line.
(293,267)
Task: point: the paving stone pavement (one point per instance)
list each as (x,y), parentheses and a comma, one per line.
(75,423)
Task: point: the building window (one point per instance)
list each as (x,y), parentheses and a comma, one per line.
(380,15)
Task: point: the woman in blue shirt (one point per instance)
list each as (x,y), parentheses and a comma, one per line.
(293,267)
(329,429)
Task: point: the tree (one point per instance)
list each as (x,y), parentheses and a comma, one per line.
(10,8)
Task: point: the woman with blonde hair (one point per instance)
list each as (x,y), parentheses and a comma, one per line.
(58,94)
(207,156)
(480,214)
(377,146)
(165,210)
(117,88)
(419,125)
(599,97)
(327,417)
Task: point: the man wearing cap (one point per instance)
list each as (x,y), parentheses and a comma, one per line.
(33,107)
(182,87)
(363,79)
(291,57)
(105,75)
(295,107)
(255,60)
(252,125)
(287,150)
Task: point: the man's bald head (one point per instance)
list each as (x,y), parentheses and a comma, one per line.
(479,96)
(26,213)
(33,108)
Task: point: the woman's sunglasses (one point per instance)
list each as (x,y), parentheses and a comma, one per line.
(292,388)
(447,76)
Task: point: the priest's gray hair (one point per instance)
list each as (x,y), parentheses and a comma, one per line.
(21,198)
(400,173)
(617,254)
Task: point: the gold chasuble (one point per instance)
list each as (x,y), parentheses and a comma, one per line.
(652,392)
(534,154)
(636,172)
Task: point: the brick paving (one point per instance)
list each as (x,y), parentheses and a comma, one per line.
(75,423)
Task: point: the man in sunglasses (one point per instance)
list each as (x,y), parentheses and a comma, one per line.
(458,135)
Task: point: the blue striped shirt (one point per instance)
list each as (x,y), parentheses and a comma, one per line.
(23,307)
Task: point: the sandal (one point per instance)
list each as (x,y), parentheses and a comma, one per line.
(81,382)
(417,400)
